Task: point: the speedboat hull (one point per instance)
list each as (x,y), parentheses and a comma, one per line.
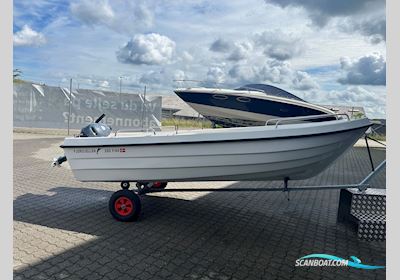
(231,108)
(291,151)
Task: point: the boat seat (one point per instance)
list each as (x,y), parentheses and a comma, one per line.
(365,212)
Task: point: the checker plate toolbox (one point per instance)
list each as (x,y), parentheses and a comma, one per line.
(365,211)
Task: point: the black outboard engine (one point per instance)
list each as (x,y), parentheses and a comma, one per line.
(96,129)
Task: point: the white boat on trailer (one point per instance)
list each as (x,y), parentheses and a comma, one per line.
(280,150)
(248,105)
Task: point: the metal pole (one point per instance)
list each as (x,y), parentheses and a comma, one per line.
(120,85)
(30,101)
(369,153)
(144,105)
(70,102)
(379,142)
(272,189)
(373,173)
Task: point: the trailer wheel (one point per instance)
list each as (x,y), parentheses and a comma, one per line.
(125,206)
(125,185)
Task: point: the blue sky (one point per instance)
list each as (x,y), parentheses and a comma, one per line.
(327,52)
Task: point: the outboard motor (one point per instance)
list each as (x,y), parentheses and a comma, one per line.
(96,129)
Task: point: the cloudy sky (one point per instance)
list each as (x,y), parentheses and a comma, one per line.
(327,52)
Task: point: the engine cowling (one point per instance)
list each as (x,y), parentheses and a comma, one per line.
(95,130)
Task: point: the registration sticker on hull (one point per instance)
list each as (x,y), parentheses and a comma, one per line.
(97,150)
(85,150)
(115,150)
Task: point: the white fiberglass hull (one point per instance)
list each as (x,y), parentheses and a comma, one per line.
(295,151)
(219,114)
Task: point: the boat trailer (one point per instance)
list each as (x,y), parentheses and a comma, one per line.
(125,204)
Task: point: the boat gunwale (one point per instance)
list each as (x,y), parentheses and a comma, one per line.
(216,141)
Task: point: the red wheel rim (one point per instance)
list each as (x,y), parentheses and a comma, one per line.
(123,206)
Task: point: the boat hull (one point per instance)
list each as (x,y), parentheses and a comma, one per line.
(287,151)
(226,117)
(235,108)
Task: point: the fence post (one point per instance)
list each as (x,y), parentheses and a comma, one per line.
(70,102)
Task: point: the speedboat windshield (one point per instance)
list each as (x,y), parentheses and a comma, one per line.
(270,90)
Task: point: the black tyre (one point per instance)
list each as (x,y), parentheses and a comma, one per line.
(125,185)
(125,206)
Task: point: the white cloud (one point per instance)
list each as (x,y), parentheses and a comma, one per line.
(273,71)
(125,17)
(373,28)
(321,11)
(367,70)
(187,57)
(313,52)
(152,77)
(103,84)
(28,37)
(88,81)
(373,101)
(161,78)
(243,74)
(220,45)
(150,49)
(363,17)
(280,45)
(215,75)
(143,14)
(179,75)
(93,12)
(303,81)
(241,50)
(271,43)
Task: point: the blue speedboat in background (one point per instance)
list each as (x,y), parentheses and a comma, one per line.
(249,105)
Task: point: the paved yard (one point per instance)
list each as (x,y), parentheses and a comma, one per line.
(63,230)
